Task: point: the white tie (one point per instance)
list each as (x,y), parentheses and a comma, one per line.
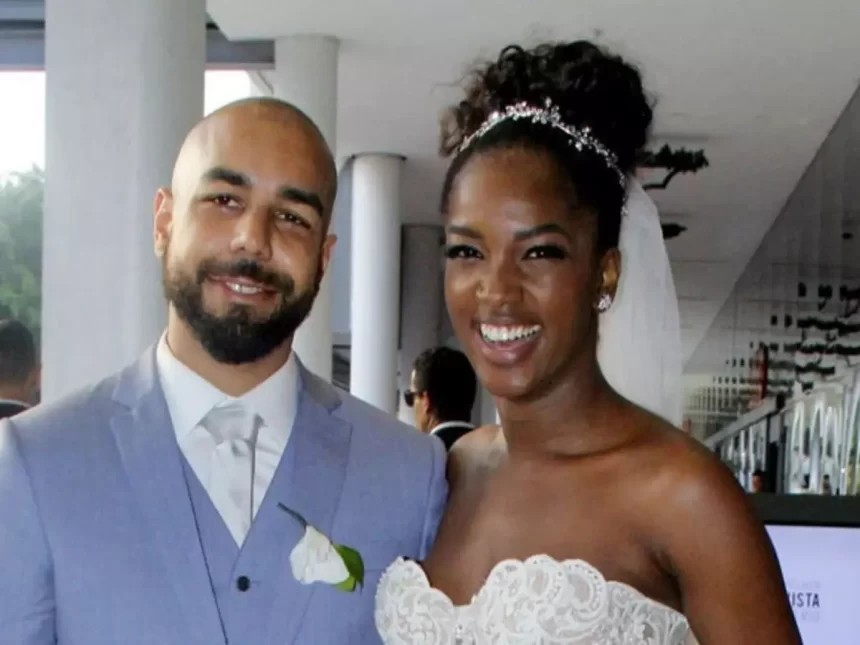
(234,430)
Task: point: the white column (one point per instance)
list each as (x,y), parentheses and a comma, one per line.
(124,86)
(375,309)
(306,76)
(421,301)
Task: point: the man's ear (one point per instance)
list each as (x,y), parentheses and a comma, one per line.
(34,381)
(431,407)
(162,220)
(327,249)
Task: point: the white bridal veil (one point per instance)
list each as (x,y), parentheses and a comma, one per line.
(640,336)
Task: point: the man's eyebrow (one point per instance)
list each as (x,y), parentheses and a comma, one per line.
(288,193)
(228,176)
(303,196)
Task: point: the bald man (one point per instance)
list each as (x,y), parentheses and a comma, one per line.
(191,498)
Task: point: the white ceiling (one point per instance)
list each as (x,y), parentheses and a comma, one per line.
(757,83)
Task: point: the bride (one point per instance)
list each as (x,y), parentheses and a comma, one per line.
(582,519)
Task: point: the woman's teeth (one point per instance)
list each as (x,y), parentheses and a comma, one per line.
(506,334)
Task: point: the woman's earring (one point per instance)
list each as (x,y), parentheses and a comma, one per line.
(604,303)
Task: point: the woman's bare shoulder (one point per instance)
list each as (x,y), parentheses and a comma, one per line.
(472,450)
(704,528)
(673,463)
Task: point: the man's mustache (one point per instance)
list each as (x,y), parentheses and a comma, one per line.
(244,268)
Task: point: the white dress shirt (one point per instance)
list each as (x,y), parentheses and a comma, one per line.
(451,424)
(190,398)
(15,402)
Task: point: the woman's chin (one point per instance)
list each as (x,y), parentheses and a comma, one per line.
(502,384)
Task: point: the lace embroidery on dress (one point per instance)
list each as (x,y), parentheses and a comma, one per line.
(539,601)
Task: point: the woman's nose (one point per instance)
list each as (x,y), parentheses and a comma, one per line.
(501,283)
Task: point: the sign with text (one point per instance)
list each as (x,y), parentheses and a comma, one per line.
(821,567)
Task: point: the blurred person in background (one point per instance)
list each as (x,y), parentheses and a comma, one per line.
(759,482)
(443,391)
(20,371)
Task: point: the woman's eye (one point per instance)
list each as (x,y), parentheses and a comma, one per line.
(546,252)
(461,252)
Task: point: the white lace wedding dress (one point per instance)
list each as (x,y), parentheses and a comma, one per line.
(539,601)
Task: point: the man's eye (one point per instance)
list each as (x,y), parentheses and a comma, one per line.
(224,201)
(292,218)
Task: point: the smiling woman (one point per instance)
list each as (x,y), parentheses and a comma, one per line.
(533,203)
(577,487)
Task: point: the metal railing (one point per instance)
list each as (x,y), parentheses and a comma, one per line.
(808,446)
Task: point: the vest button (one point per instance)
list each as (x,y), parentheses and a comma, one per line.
(243,583)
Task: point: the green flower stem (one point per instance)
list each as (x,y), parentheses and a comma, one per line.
(351,558)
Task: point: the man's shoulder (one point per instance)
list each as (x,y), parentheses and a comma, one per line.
(395,464)
(78,411)
(363,414)
(378,427)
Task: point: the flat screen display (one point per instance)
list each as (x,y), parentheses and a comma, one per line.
(821,567)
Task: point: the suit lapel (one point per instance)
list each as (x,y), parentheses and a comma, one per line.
(147,446)
(318,456)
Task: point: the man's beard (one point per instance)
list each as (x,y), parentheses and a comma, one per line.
(237,337)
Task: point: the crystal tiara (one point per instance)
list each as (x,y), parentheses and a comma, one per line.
(580,138)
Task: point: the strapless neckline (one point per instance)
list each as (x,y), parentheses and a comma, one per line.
(537,601)
(535,560)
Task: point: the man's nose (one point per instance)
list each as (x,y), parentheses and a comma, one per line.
(253,233)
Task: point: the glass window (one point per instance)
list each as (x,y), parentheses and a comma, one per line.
(22,159)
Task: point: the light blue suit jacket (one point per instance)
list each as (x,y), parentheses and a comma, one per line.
(100,543)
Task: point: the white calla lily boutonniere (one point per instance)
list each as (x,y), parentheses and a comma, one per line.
(317,559)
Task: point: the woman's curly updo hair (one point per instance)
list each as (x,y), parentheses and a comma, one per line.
(590,87)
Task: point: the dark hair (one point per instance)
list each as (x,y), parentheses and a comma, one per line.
(17,352)
(590,87)
(448,379)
